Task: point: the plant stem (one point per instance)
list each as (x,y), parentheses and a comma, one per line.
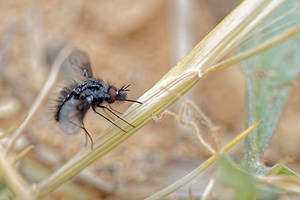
(272,42)
(16,183)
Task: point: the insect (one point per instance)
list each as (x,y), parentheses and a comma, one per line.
(77,99)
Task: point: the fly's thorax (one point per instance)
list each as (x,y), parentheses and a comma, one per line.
(93,92)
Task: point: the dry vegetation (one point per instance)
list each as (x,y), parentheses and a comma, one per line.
(128,42)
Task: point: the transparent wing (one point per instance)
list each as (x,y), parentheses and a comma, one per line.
(81,62)
(71,116)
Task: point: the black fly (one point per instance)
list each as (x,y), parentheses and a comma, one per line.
(76,100)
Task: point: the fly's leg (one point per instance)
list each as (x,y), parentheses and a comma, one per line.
(104,107)
(86,132)
(94,109)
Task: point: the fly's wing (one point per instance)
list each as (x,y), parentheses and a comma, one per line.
(71,116)
(80,61)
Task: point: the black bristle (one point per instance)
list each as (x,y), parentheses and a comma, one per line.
(66,90)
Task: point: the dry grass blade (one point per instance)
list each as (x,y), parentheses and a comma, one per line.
(286,183)
(251,52)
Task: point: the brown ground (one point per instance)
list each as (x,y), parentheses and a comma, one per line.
(128,42)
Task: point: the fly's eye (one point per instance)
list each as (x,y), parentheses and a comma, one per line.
(82,97)
(113,94)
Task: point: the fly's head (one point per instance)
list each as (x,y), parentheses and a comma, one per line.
(116,94)
(119,94)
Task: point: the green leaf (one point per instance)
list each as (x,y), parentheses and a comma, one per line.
(280,169)
(233,176)
(242,183)
(270,77)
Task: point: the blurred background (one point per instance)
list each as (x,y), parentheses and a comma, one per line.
(134,42)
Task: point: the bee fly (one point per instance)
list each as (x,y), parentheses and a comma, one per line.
(75,101)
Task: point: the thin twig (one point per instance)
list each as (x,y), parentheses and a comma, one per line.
(22,154)
(208,189)
(40,98)
(11,129)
